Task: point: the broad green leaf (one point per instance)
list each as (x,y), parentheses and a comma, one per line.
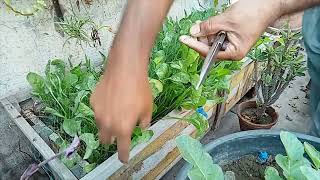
(85,110)
(80,95)
(223,72)
(57,67)
(158,60)
(70,79)
(192,151)
(191,58)
(91,143)
(310,173)
(36,81)
(71,126)
(271,174)
(313,154)
(156,87)
(91,83)
(53,112)
(140,136)
(185,24)
(291,168)
(89,167)
(180,77)
(195,174)
(293,146)
(162,70)
(167,40)
(194,79)
(188,105)
(176,65)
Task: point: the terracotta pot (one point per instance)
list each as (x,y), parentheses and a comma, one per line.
(246,124)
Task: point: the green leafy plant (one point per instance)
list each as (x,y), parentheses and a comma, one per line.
(282,62)
(173,72)
(294,165)
(176,67)
(203,167)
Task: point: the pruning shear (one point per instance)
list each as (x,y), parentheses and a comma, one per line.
(218,44)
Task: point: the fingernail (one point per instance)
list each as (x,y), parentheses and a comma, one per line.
(124,162)
(183,38)
(195,29)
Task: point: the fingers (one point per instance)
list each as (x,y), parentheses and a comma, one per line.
(203,39)
(193,43)
(145,120)
(205,28)
(105,136)
(123,144)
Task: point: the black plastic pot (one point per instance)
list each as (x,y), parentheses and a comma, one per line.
(232,147)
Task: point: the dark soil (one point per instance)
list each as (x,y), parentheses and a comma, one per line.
(251,115)
(247,168)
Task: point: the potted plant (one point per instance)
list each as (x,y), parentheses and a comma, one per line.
(281,62)
(276,156)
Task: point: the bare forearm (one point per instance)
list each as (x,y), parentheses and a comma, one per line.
(292,6)
(139,27)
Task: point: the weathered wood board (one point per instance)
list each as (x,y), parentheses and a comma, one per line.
(58,168)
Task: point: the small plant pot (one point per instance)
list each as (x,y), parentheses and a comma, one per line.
(246,124)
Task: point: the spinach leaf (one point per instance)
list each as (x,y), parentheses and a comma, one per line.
(91,143)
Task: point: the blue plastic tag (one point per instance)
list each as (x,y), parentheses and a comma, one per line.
(202,112)
(263,157)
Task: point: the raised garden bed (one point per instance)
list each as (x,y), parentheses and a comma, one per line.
(64,92)
(147,160)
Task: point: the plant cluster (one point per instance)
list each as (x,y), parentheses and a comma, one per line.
(294,165)
(173,73)
(282,60)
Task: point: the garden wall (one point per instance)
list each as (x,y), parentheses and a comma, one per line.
(27,43)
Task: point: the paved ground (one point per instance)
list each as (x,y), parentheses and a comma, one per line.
(293,109)
(15,152)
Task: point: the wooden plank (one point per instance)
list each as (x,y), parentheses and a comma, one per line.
(145,156)
(113,165)
(173,156)
(241,83)
(59,169)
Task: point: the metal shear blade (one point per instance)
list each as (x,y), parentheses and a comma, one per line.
(218,44)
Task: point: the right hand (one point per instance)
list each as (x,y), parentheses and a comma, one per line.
(244,22)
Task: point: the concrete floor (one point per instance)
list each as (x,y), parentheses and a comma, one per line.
(293,109)
(15,151)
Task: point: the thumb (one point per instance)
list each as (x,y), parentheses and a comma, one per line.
(205,28)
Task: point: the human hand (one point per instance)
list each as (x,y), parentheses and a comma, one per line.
(121,100)
(244,22)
